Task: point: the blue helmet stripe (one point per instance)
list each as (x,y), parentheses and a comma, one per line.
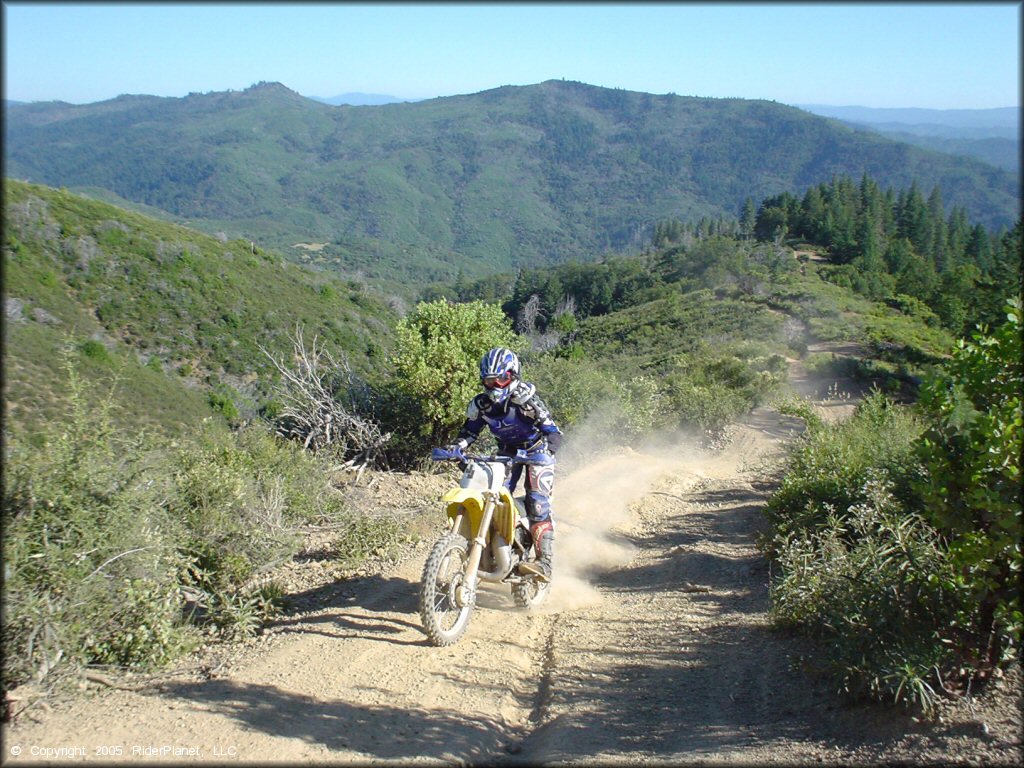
(497,361)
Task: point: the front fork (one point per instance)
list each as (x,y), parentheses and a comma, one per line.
(465,594)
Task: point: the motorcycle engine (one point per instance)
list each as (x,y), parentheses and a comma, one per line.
(523,539)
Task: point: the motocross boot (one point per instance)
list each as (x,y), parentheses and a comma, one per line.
(543,535)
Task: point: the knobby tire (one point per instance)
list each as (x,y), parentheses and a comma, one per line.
(444,621)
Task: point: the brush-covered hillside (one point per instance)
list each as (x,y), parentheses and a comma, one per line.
(175,316)
(510,177)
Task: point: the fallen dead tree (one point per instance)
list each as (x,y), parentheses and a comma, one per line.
(317,398)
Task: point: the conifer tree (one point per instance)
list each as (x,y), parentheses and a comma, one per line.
(937,235)
(748,217)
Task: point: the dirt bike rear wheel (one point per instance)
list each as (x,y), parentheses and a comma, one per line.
(444,620)
(530,593)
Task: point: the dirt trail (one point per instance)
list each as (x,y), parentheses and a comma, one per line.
(655,647)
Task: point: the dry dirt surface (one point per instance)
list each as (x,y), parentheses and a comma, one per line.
(655,647)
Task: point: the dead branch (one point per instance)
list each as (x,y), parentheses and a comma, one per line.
(310,392)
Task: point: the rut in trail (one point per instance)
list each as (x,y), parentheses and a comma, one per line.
(654,646)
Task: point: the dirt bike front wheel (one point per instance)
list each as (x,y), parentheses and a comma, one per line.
(530,593)
(443,618)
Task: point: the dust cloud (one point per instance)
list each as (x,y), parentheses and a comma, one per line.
(595,504)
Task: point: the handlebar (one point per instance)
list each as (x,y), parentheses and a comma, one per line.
(521,457)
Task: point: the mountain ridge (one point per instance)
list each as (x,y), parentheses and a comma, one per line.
(1008,117)
(990,135)
(510,176)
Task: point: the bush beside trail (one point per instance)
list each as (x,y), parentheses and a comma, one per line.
(897,534)
(123,549)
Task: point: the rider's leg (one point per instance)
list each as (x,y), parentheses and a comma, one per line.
(539,485)
(512,480)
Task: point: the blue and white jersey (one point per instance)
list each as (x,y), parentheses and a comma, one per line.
(520,421)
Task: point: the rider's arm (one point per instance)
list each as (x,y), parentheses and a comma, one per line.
(471,427)
(554,436)
(534,409)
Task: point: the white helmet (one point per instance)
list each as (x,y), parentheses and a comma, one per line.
(499,373)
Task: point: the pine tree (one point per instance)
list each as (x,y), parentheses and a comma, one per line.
(958,233)
(812,218)
(937,235)
(979,250)
(748,217)
(913,220)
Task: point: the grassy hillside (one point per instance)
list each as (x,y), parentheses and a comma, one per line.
(785,312)
(510,177)
(176,314)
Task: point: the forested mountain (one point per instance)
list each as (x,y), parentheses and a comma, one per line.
(360,99)
(514,176)
(999,152)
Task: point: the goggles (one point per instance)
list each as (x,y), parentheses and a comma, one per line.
(498,382)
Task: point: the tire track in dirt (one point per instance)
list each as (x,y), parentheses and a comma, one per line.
(639,673)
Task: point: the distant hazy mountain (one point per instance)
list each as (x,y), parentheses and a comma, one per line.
(1002,122)
(361,99)
(997,151)
(513,176)
(989,135)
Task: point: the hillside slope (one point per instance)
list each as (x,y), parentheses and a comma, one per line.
(177,315)
(494,180)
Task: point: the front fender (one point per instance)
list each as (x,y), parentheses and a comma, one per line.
(463,500)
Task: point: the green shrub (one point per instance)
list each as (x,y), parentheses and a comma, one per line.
(573,389)
(240,498)
(857,567)
(898,532)
(828,471)
(802,408)
(108,539)
(703,405)
(370,536)
(239,614)
(95,350)
(703,390)
(437,354)
(640,399)
(972,450)
(91,568)
(709,389)
(870,586)
(222,403)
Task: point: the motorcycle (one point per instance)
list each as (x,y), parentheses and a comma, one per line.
(488,537)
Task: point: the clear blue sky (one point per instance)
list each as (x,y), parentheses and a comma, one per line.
(940,56)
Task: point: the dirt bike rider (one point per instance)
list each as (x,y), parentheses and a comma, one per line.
(522,424)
